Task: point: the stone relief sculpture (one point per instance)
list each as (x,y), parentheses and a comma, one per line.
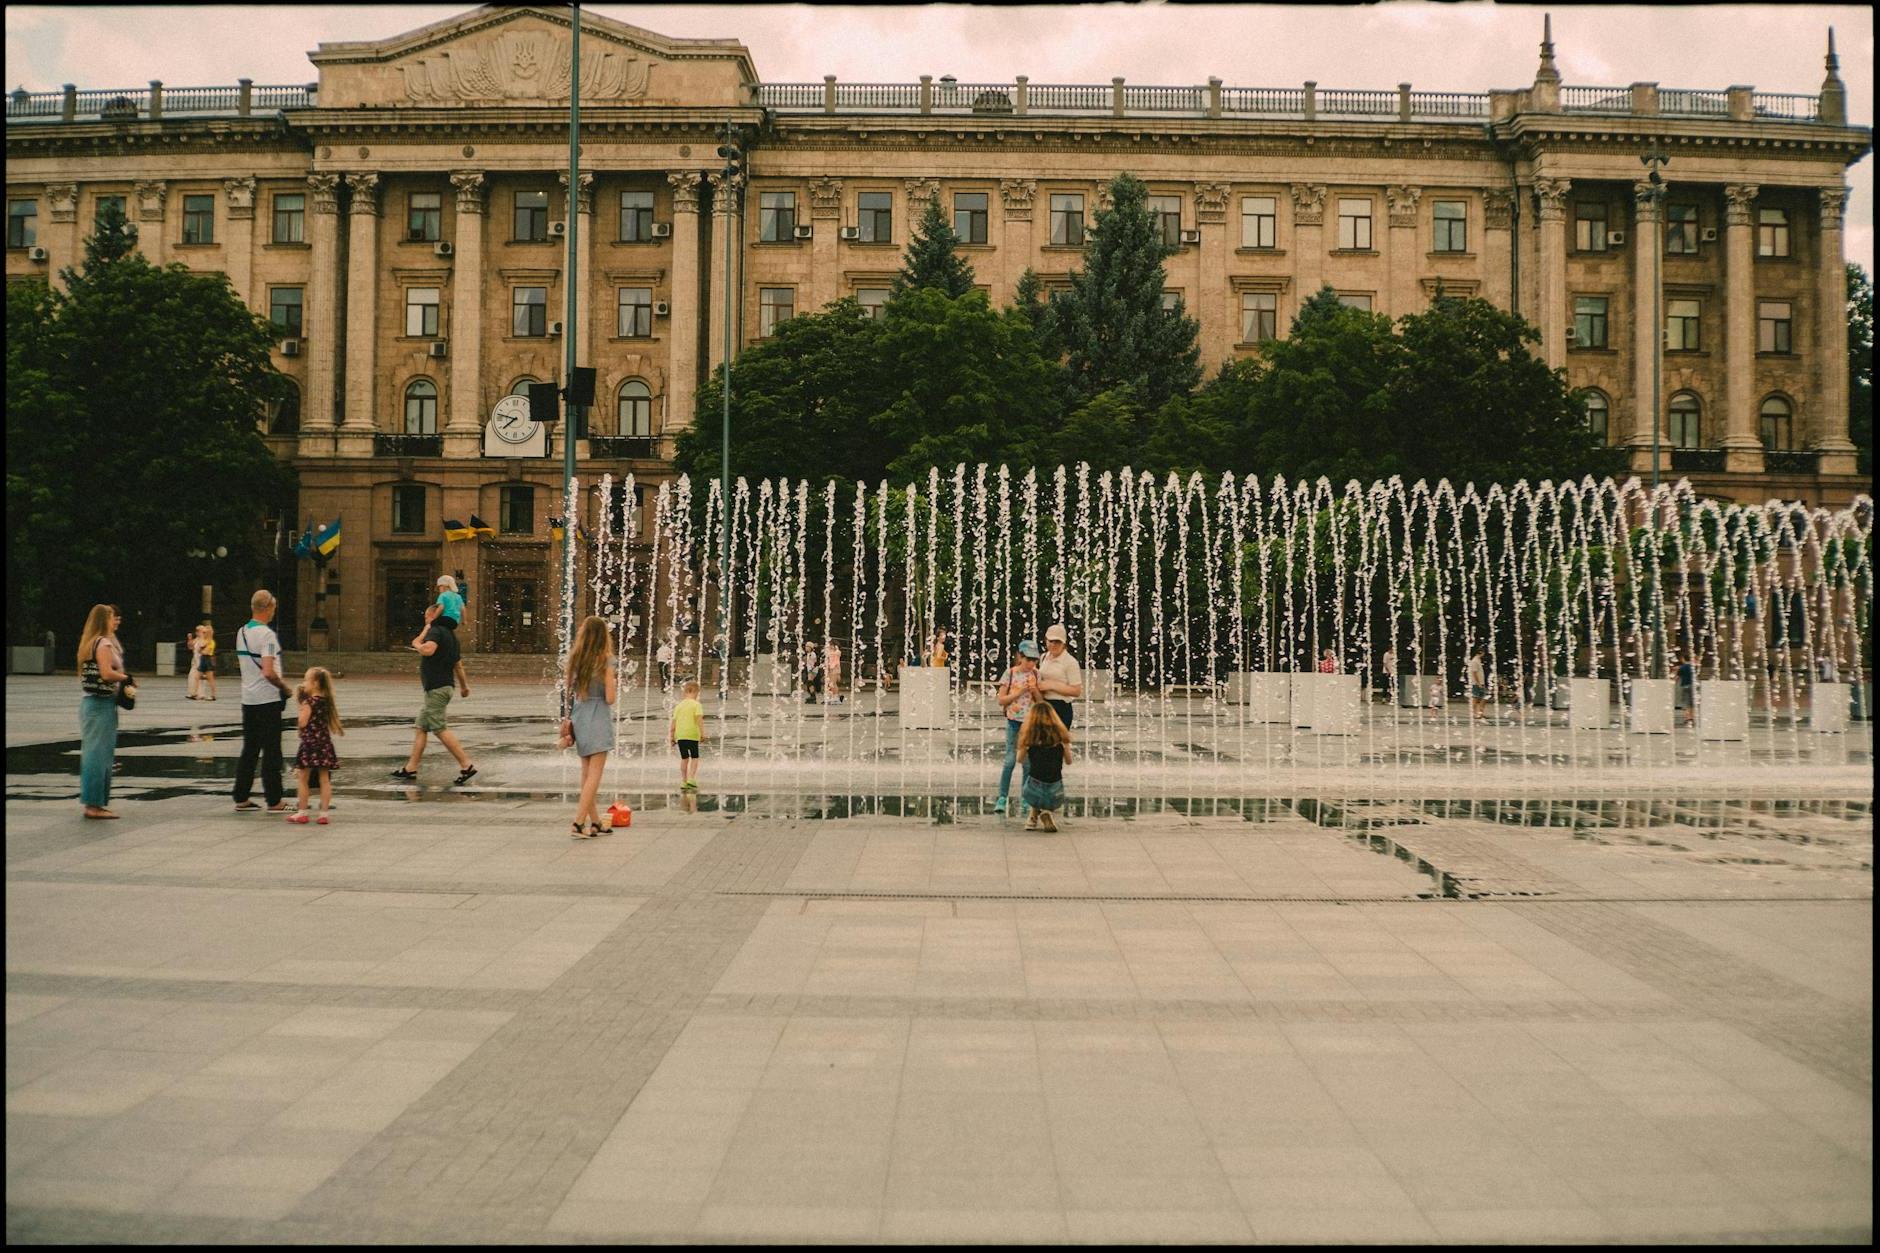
(523,65)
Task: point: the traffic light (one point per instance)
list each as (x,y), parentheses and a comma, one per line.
(733,157)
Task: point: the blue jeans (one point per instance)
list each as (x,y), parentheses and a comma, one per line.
(1011,759)
(97,739)
(1044,795)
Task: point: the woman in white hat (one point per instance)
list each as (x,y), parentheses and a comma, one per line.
(1060,678)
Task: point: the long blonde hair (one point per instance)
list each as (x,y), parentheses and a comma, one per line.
(97,627)
(319,683)
(1042,727)
(207,632)
(592,644)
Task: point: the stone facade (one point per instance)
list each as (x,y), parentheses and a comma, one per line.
(410,178)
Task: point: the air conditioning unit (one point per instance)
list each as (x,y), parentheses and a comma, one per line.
(37,254)
(554,329)
(1615,239)
(661,309)
(1572,334)
(662,230)
(1191,237)
(290,348)
(438,348)
(851,232)
(804,232)
(1708,234)
(557,229)
(443,249)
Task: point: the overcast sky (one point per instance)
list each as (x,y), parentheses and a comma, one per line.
(1447,47)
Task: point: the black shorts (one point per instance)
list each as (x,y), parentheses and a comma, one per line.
(688,748)
(1063,708)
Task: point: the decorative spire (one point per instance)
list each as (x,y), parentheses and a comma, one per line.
(1547,73)
(1832,108)
(1834,62)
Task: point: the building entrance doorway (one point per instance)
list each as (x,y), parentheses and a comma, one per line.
(407,592)
(516,623)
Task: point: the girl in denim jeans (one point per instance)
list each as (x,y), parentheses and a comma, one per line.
(1017,690)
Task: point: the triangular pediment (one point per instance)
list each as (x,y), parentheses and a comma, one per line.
(523,55)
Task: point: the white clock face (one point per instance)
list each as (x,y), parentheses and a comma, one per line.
(511,419)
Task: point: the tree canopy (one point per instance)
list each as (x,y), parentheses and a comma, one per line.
(1860,365)
(932,260)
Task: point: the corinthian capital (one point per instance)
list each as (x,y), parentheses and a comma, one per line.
(1403,204)
(1308,204)
(825,197)
(1017,194)
(685,185)
(151,197)
(1645,200)
(1738,201)
(63,198)
(724,194)
(471,190)
(1498,208)
(921,191)
(1553,197)
(1211,202)
(325,188)
(365,193)
(1833,201)
(241,196)
(584,197)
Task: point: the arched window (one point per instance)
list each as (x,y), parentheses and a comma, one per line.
(522,386)
(284,414)
(1687,421)
(636,408)
(1598,414)
(1778,424)
(421,408)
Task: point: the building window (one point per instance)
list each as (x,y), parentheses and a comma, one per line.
(531,216)
(1682,325)
(1355,300)
(1171,302)
(1167,211)
(1589,226)
(1778,425)
(875,217)
(774,305)
(969,216)
(421,408)
(199,219)
(284,413)
(108,202)
(873,300)
(636,311)
(636,217)
(1067,220)
(1354,224)
(1259,316)
(1772,232)
(290,218)
(776,216)
(1598,414)
(1687,421)
(522,386)
(1774,323)
(421,312)
(424,216)
(1452,226)
(284,308)
(529,310)
(636,408)
(1681,228)
(1589,321)
(407,509)
(1259,220)
(515,510)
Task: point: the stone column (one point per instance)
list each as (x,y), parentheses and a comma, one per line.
(682,326)
(1742,442)
(239,247)
(1017,246)
(1209,302)
(151,196)
(1648,325)
(1498,247)
(320,412)
(726,223)
(1401,259)
(1829,423)
(362,287)
(584,267)
(60,238)
(1553,268)
(1308,238)
(463,428)
(825,215)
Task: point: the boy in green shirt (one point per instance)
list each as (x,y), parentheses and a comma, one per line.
(688,728)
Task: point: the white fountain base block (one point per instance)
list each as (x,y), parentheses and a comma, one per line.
(1326,704)
(1829,706)
(1650,713)
(1589,704)
(766,675)
(1267,694)
(1096,684)
(1419,691)
(1722,709)
(924,697)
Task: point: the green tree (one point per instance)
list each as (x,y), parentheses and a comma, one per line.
(932,259)
(1112,323)
(134,401)
(1860,364)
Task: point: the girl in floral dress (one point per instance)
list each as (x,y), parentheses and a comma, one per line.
(319,723)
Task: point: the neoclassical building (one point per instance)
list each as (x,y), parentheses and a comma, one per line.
(403,221)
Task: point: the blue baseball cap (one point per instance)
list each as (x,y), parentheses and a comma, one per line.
(1027,648)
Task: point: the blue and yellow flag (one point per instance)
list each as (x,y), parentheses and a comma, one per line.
(326,541)
(455,530)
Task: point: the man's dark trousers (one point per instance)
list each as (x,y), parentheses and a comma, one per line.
(261,737)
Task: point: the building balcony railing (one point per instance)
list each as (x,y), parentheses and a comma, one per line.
(408,445)
(624,447)
(1789,461)
(1702,460)
(155,102)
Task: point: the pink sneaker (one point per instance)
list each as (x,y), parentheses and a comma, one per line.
(321,820)
(298,819)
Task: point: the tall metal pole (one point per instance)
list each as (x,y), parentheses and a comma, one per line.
(729,187)
(570,340)
(1654,160)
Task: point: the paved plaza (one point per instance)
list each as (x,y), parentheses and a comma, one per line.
(1240,997)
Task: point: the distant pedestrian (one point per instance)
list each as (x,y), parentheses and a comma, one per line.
(1390,675)
(1060,678)
(317,759)
(1328,662)
(665,664)
(593,684)
(812,674)
(440,664)
(205,657)
(832,673)
(1687,689)
(1478,685)
(264,696)
(687,732)
(193,642)
(449,600)
(100,670)
(937,655)
(1044,745)
(1018,690)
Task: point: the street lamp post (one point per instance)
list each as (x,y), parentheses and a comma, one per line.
(570,339)
(733,157)
(1653,161)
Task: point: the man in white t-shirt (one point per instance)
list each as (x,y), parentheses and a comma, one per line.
(1060,678)
(263,697)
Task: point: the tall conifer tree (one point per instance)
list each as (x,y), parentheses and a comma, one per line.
(932,258)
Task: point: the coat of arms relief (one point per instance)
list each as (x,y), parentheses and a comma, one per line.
(523,65)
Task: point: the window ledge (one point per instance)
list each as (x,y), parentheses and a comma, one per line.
(1259,252)
(419,339)
(203,244)
(1589,349)
(1791,355)
(1355,252)
(635,339)
(1598,254)
(289,245)
(1253,345)
(527,243)
(1788,260)
(778,243)
(1062,248)
(1451,256)
(977,247)
(868,243)
(420,243)
(1687,352)
(528,339)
